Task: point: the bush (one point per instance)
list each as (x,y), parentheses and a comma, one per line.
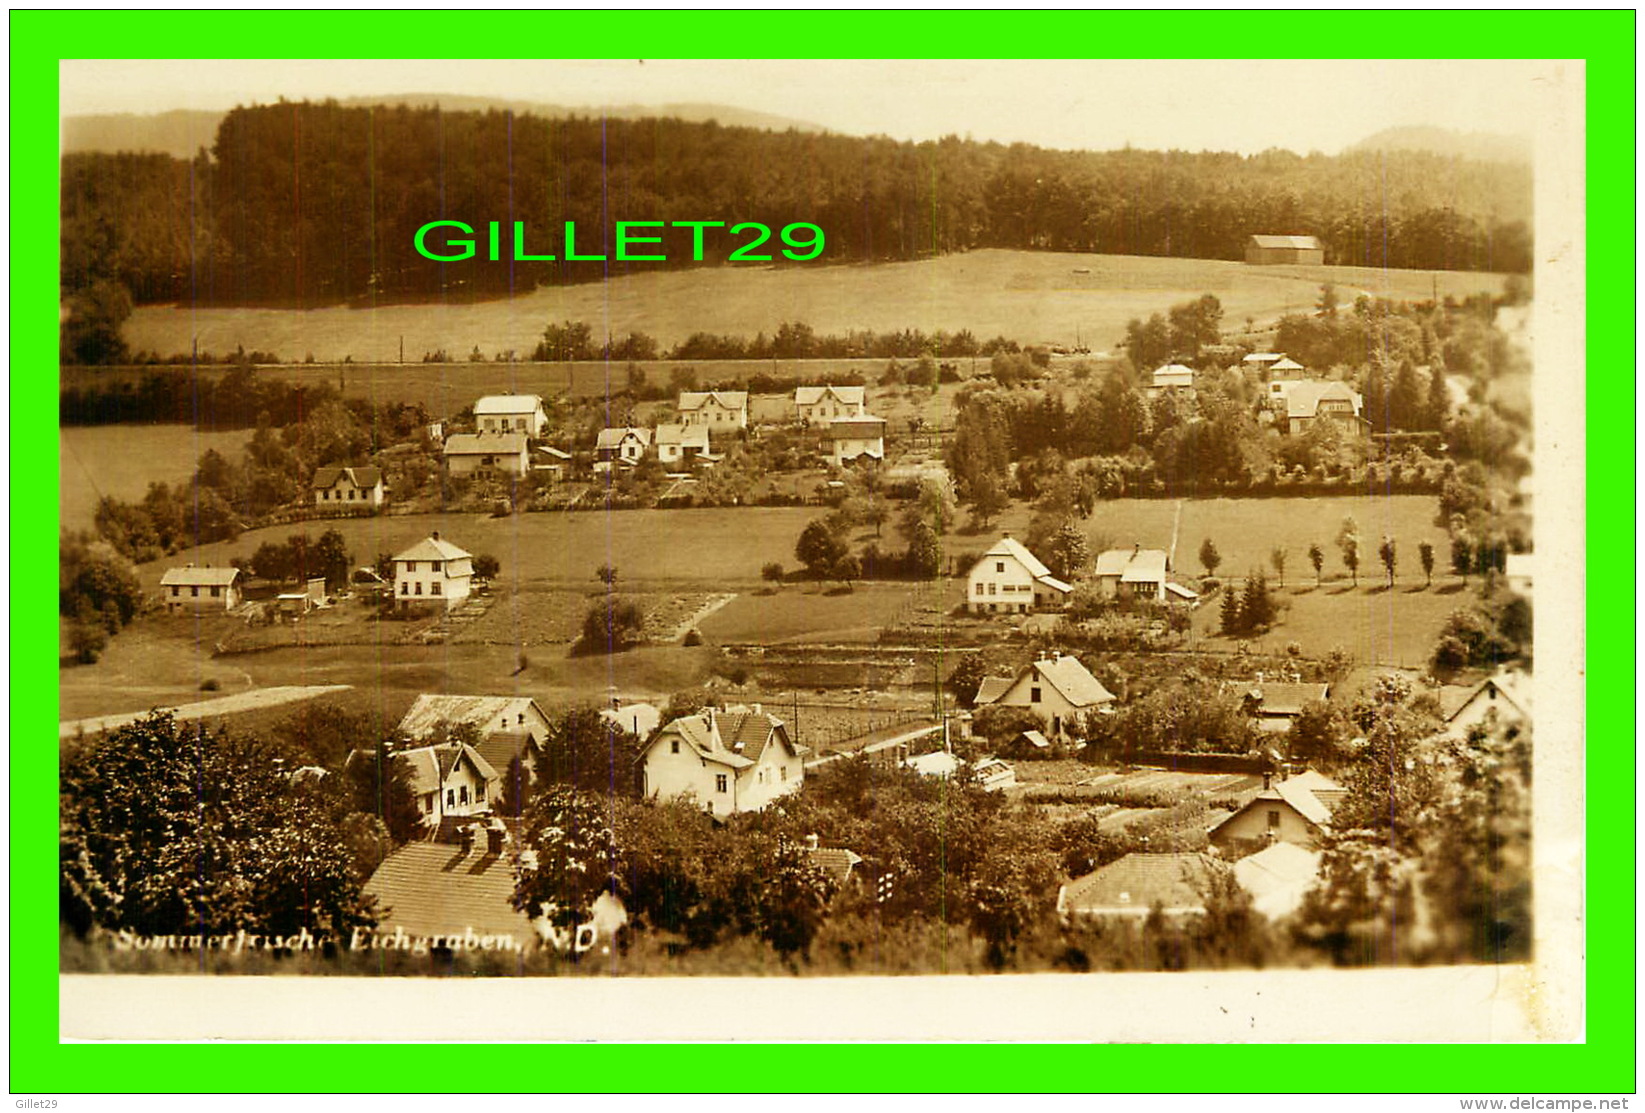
(210,684)
(693,637)
(611,626)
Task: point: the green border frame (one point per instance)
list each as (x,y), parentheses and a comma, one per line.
(1605,1063)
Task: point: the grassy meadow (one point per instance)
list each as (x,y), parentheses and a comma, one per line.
(1033,297)
(122,460)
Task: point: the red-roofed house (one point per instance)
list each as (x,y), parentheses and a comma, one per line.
(736,760)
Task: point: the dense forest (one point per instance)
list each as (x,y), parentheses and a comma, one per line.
(306,204)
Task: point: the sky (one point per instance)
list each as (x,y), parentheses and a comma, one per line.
(1243,106)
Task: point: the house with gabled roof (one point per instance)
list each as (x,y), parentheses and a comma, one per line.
(348,487)
(471,453)
(1278,877)
(624,444)
(1284,811)
(510,413)
(1132,574)
(720,411)
(1057,688)
(433,571)
(1503,700)
(508,727)
(851,438)
(203,588)
(1172,377)
(1300,402)
(1265,250)
(450,780)
(1011,580)
(817,405)
(1133,886)
(1275,705)
(733,760)
(678,443)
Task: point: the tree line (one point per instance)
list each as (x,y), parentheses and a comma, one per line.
(317,203)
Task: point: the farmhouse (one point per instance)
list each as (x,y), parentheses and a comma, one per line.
(1266,250)
(623,445)
(681,444)
(468,453)
(1503,700)
(510,413)
(508,727)
(720,411)
(348,486)
(450,780)
(1284,812)
(849,438)
(1056,688)
(816,405)
(1009,579)
(1275,706)
(433,571)
(200,589)
(736,760)
(1302,401)
(1130,888)
(1132,574)
(1172,377)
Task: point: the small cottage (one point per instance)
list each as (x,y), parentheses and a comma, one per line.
(510,413)
(348,487)
(200,589)
(472,453)
(1011,580)
(1264,250)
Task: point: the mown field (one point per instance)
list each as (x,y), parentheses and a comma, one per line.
(122,460)
(1379,627)
(1033,297)
(1246,531)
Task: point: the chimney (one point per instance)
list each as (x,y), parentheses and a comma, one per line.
(496,838)
(1267,780)
(811,842)
(1136,547)
(759,710)
(435,535)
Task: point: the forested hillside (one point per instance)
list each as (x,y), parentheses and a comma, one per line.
(306,204)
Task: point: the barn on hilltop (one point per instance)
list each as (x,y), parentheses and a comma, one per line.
(1284,249)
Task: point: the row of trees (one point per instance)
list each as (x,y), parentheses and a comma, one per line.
(313,204)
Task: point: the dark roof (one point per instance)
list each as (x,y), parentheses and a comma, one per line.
(834,863)
(434,889)
(359,477)
(748,732)
(855,428)
(501,747)
(1137,882)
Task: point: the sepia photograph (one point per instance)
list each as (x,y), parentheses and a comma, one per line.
(1065,527)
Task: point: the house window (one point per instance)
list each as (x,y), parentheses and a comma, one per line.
(434,567)
(993,589)
(674,746)
(784,772)
(351,496)
(216,592)
(479,794)
(451,798)
(419,587)
(405,589)
(411,566)
(719,782)
(194,592)
(999,566)
(434,588)
(1273,818)
(1033,695)
(462,794)
(176,591)
(428,801)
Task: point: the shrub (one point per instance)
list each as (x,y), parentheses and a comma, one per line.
(210,684)
(693,637)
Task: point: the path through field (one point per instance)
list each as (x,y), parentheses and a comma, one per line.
(205,709)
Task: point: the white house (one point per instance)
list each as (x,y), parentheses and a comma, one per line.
(1302,401)
(433,571)
(1058,688)
(720,411)
(1134,573)
(468,453)
(200,589)
(452,779)
(736,760)
(848,438)
(1278,878)
(1173,377)
(623,444)
(1011,580)
(348,487)
(678,443)
(816,405)
(507,726)
(1285,812)
(1503,700)
(510,413)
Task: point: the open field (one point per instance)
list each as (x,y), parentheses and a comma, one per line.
(1032,297)
(1246,530)
(817,613)
(122,460)
(1395,628)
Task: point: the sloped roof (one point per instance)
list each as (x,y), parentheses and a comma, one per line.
(1263,357)
(811,395)
(992,688)
(485,444)
(835,863)
(1300,799)
(748,732)
(703,737)
(855,428)
(1173,373)
(1132,565)
(1287,365)
(556,453)
(1135,883)
(1303,396)
(938,763)
(1277,877)
(682,435)
(1011,547)
(638,718)
(727,399)
(1304,242)
(204,576)
(489,713)
(431,765)
(501,747)
(433,548)
(1287,699)
(1073,680)
(1513,688)
(1037,740)
(1181,592)
(615,436)
(431,888)
(1323,788)
(359,477)
(493,404)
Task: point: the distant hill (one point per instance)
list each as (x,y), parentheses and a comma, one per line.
(1485,146)
(181,133)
